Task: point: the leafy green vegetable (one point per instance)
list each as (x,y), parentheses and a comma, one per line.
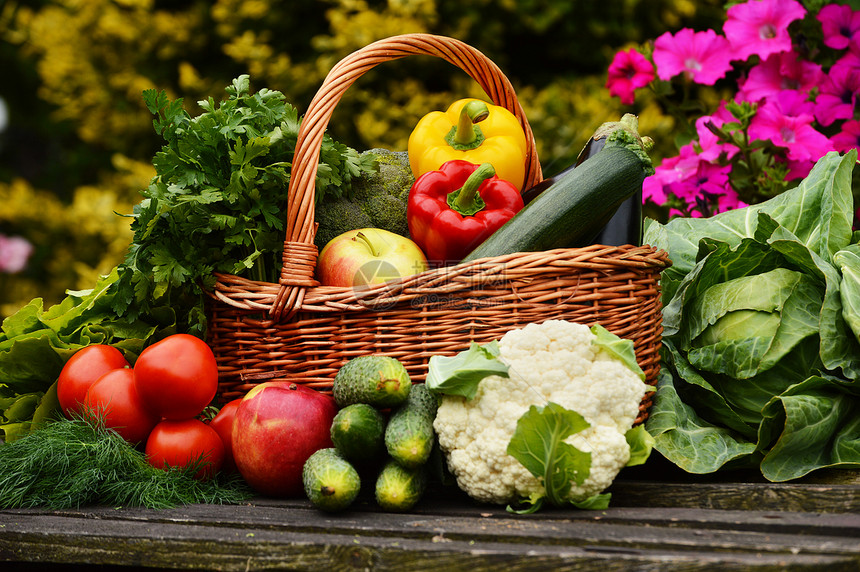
(539,444)
(848,261)
(620,348)
(795,422)
(641,443)
(760,358)
(218,200)
(460,374)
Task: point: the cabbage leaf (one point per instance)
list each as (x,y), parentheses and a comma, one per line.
(761,314)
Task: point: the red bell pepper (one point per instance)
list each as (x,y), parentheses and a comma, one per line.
(453,210)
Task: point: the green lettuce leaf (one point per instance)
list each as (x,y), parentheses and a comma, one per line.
(745,326)
(818,212)
(36,342)
(641,443)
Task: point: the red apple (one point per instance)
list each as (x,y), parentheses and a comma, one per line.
(278,425)
(368,256)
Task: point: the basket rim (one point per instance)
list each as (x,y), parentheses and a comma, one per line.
(253,295)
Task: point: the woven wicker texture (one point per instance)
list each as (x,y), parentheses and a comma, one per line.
(300,331)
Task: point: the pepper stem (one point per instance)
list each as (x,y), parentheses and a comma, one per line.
(466,135)
(466,200)
(362,237)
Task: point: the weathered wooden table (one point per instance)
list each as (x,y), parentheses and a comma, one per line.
(659,520)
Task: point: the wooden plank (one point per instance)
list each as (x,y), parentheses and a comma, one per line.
(681,523)
(189,546)
(659,483)
(445,533)
(739,496)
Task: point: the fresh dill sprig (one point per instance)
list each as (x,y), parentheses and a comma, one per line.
(71,463)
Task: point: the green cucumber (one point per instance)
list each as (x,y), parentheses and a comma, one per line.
(409,435)
(398,489)
(358,432)
(330,481)
(380,381)
(576,206)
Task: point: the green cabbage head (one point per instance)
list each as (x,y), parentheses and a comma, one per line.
(761,338)
(746,325)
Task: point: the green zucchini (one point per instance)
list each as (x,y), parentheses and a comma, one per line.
(573,210)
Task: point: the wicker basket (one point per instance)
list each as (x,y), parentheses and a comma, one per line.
(300,331)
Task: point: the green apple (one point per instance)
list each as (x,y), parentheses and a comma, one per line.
(368,256)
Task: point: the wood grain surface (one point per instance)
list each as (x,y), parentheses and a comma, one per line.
(678,524)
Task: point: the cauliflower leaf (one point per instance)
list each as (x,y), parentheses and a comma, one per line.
(619,348)
(539,444)
(461,373)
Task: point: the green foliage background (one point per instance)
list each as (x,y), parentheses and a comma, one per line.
(79,143)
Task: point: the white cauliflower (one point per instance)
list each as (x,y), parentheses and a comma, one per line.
(555,361)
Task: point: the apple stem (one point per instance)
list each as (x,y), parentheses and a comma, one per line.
(366,242)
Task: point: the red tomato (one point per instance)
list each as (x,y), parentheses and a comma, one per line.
(180,443)
(82,370)
(115,397)
(177,377)
(223,425)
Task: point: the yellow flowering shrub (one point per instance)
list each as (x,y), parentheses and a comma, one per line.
(94,58)
(76,241)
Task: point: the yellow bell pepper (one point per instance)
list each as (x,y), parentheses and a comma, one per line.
(474,131)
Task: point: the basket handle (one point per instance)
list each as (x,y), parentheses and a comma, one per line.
(300,253)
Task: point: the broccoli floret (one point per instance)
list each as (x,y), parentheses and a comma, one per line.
(387,212)
(376,199)
(336,217)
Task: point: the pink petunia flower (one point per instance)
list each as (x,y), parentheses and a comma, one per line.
(777,73)
(729,201)
(840,25)
(669,172)
(793,103)
(705,185)
(712,181)
(838,95)
(14,253)
(628,72)
(704,57)
(760,27)
(710,147)
(848,138)
(693,180)
(796,134)
(850,59)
